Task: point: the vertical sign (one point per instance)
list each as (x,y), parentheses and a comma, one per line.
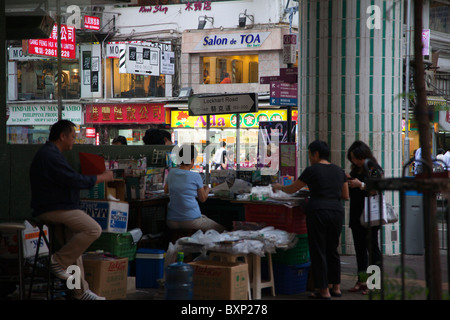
(289,48)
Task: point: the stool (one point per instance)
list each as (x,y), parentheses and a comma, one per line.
(49,241)
(232,257)
(18,227)
(257,284)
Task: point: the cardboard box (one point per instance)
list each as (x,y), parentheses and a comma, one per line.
(219,280)
(9,245)
(107,276)
(116,189)
(112,216)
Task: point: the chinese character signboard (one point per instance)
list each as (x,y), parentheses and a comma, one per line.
(137,59)
(49,47)
(125,113)
(91,23)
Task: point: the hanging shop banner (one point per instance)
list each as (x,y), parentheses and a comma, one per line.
(138,59)
(49,47)
(181,119)
(125,113)
(46,114)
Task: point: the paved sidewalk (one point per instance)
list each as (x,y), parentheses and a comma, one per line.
(415,281)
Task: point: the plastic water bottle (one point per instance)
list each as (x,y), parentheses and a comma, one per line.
(179,280)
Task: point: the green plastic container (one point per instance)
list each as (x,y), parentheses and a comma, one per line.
(297,255)
(119,244)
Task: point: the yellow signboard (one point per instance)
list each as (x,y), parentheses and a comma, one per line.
(181,119)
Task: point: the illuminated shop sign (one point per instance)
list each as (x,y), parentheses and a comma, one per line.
(232,41)
(181,119)
(91,23)
(125,113)
(49,47)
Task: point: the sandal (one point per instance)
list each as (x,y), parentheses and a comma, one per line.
(335,294)
(365,290)
(318,296)
(359,286)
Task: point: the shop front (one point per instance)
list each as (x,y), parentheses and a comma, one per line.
(130,120)
(223,127)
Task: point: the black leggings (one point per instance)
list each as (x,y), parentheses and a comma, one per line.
(324,230)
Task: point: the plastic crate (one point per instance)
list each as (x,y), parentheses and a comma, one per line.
(119,244)
(296,255)
(280,217)
(290,279)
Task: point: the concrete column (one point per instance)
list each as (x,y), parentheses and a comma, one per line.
(350,81)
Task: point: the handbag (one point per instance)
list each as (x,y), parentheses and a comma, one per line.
(388,214)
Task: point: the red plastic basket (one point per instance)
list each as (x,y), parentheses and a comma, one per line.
(280,217)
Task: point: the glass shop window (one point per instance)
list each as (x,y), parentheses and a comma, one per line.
(127,85)
(38,80)
(230,69)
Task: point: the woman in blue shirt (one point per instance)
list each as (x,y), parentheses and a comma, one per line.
(184,188)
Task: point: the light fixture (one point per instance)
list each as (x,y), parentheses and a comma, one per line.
(202,21)
(185,92)
(243,19)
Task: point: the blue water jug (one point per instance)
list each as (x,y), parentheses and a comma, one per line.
(179,280)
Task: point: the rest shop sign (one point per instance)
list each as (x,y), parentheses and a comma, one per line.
(45,114)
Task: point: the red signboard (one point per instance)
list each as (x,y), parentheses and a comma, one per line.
(49,47)
(125,113)
(91,23)
(90,133)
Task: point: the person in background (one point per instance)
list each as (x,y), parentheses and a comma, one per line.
(325,213)
(357,154)
(55,199)
(220,157)
(206,78)
(447,158)
(120,140)
(157,137)
(226,78)
(184,188)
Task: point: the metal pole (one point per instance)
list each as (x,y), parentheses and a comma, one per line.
(59,72)
(408,49)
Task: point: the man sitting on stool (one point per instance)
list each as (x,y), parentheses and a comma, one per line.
(55,197)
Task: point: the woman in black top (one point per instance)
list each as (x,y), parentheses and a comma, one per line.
(357,155)
(324,217)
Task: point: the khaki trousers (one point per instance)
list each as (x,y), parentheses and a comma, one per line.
(80,231)
(203,223)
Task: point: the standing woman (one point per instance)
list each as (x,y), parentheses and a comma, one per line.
(324,217)
(357,154)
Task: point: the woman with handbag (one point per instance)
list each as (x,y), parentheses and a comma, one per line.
(357,154)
